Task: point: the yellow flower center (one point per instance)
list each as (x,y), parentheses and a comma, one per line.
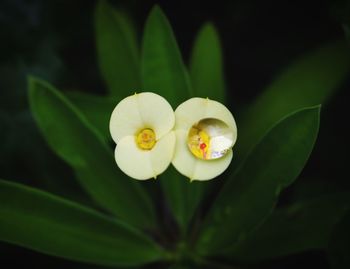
(146,139)
(210,139)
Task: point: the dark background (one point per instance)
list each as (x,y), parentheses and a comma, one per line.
(55,41)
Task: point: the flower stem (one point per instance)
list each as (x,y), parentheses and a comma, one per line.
(213,264)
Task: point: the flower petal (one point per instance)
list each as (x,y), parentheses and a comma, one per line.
(196,109)
(190,112)
(196,169)
(125,119)
(163,152)
(139,111)
(156,113)
(144,164)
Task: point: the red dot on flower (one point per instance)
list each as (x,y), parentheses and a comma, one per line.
(202,146)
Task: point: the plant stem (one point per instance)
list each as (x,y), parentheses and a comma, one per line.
(202,261)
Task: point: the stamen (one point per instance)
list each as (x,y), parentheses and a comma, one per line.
(146,139)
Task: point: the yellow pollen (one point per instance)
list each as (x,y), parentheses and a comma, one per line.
(198,141)
(146,139)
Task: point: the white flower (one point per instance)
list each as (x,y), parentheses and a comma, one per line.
(205,134)
(141,126)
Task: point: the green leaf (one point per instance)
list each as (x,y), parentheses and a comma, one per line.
(73,139)
(46,223)
(250,194)
(299,227)
(339,246)
(206,67)
(96,109)
(117,50)
(163,70)
(309,81)
(183,196)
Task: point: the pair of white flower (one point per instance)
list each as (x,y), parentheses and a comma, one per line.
(197,138)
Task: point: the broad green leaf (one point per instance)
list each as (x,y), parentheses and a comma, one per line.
(43,167)
(309,81)
(117,50)
(250,194)
(299,227)
(183,196)
(96,109)
(206,66)
(72,138)
(163,70)
(46,223)
(339,246)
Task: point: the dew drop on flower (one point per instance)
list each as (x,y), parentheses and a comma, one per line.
(210,139)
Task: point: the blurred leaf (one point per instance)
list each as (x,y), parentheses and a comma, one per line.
(302,226)
(21,138)
(184,196)
(339,247)
(309,81)
(251,193)
(163,70)
(346,28)
(52,225)
(117,50)
(96,109)
(73,139)
(206,67)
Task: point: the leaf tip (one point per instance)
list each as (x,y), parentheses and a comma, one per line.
(31,80)
(208,30)
(101,4)
(209,26)
(157,12)
(156,9)
(316,109)
(32,83)
(102,8)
